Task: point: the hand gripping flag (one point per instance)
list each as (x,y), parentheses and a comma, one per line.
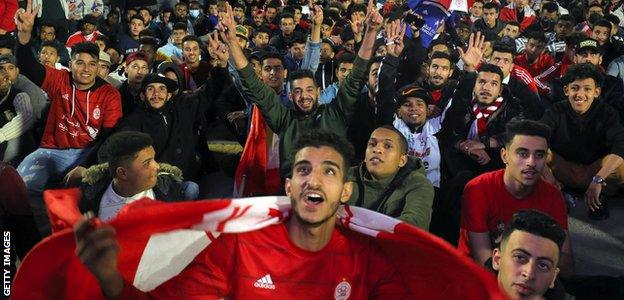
(158,240)
(257,173)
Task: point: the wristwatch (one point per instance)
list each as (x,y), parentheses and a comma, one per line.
(599,180)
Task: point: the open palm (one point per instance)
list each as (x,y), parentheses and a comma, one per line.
(474,53)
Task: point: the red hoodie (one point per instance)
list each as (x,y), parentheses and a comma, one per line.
(77,116)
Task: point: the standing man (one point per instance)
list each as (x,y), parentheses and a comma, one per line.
(89,32)
(83,111)
(490,200)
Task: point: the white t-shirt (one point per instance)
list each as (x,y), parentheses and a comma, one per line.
(112,203)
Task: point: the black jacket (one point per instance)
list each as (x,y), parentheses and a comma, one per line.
(174,128)
(97,179)
(584,138)
(459,116)
(530,100)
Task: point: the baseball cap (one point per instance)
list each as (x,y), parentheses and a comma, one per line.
(105,58)
(159,78)
(588,44)
(412,91)
(136,56)
(7,59)
(242,31)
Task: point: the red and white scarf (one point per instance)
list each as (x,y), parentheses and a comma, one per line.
(479,125)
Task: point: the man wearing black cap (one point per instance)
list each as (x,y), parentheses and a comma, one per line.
(612,89)
(169,120)
(89,32)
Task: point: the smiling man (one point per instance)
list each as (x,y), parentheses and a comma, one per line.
(391,182)
(527,258)
(303,246)
(490,200)
(587,158)
(83,111)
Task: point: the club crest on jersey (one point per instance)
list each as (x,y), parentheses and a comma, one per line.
(65,96)
(96,113)
(343,290)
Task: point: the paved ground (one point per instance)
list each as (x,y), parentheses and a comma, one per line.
(598,246)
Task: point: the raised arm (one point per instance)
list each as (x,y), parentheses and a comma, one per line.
(312,56)
(386,90)
(26,61)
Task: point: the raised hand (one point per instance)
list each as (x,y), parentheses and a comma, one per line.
(218,48)
(474,53)
(373,19)
(227,26)
(25,19)
(316,12)
(357,26)
(395,31)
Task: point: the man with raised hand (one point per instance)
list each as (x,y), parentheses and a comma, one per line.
(83,111)
(307,113)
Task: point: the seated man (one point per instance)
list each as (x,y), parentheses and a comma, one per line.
(391,182)
(474,124)
(128,173)
(588,139)
(304,245)
(527,258)
(490,200)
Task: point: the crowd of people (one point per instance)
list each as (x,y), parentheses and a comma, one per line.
(481,135)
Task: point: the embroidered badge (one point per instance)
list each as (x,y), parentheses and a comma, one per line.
(343,290)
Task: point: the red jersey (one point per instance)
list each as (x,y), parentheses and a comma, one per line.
(544,61)
(524,76)
(266,264)
(487,206)
(77,116)
(510,13)
(78,37)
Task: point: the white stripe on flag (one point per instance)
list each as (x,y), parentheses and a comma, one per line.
(166,255)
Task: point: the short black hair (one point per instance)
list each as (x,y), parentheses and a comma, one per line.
(104,39)
(180,26)
(193,38)
(273,55)
(47,24)
(296,38)
(374,60)
(595,4)
(513,23)
(7,41)
(603,23)
(323,138)
(525,127)
(138,17)
(536,223)
(566,18)
(86,47)
(148,40)
(439,41)
(550,7)
(122,147)
(357,7)
(286,16)
(262,29)
(299,74)
(441,55)
(53,44)
(536,35)
(491,5)
(146,9)
(582,71)
(346,58)
(490,68)
(504,47)
(402,139)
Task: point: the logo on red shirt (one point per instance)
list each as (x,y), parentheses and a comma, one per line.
(343,290)
(265,283)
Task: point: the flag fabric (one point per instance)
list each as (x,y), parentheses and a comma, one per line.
(154,251)
(257,173)
(433,13)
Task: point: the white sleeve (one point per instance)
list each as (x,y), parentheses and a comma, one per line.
(23,120)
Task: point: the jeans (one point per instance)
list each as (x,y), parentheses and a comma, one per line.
(190,190)
(41,168)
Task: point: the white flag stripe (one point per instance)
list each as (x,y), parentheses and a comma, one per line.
(166,255)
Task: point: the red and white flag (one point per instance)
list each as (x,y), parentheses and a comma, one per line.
(158,240)
(257,173)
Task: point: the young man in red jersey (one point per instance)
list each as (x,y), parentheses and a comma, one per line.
(490,200)
(295,254)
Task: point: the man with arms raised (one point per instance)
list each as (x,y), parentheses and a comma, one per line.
(527,258)
(303,246)
(83,110)
(490,200)
(307,114)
